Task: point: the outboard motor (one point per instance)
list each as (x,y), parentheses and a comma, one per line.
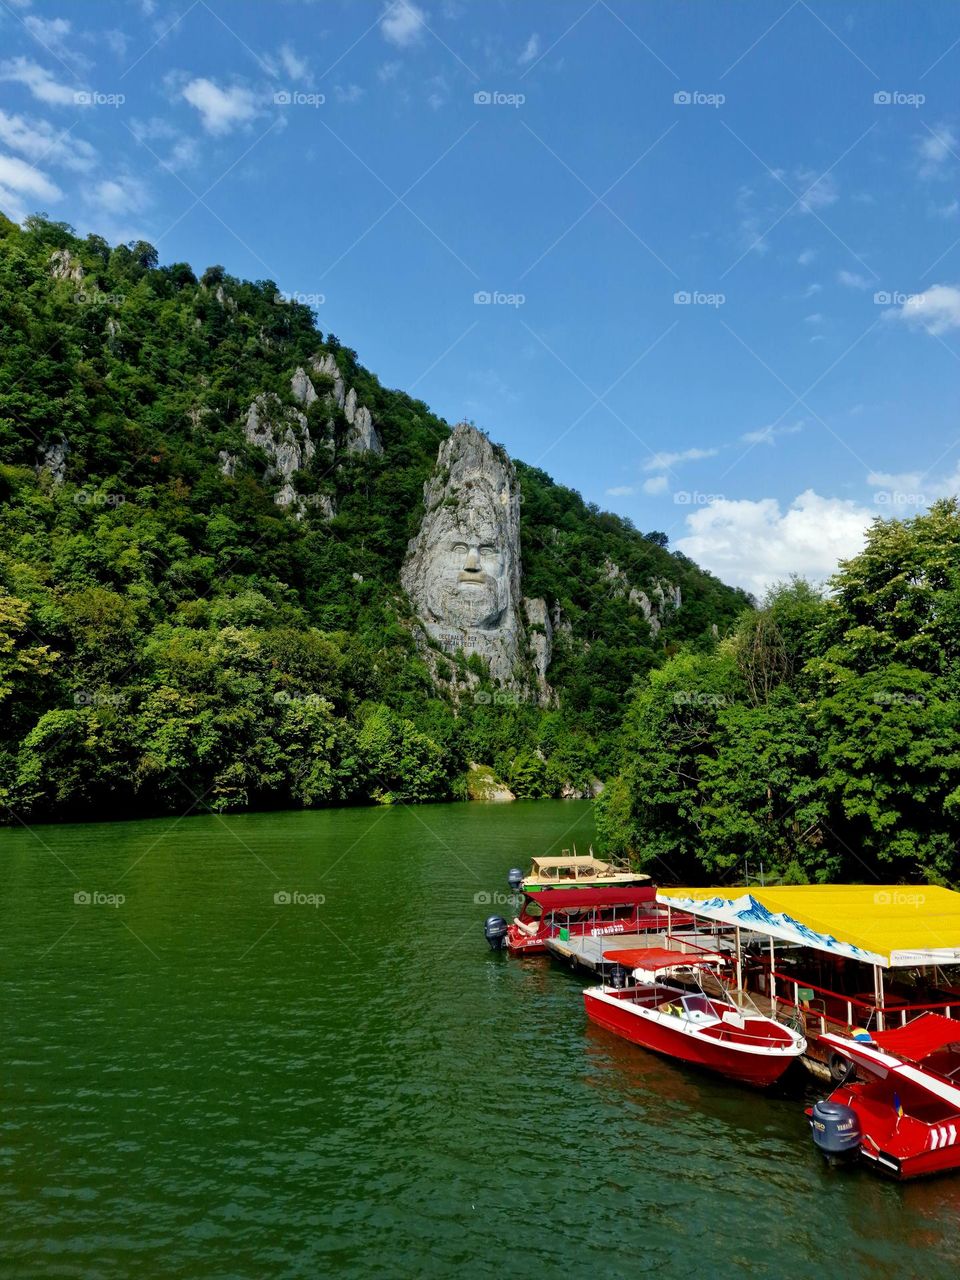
(618,977)
(495,932)
(515,879)
(835,1129)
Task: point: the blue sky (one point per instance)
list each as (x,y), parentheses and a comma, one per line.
(790,168)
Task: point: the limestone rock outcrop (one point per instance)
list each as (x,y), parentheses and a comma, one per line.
(462,570)
(53,460)
(665,595)
(540,639)
(302,389)
(282,433)
(361,434)
(64,266)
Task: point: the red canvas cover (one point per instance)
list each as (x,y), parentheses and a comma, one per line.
(597,896)
(919,1038)
(659,958)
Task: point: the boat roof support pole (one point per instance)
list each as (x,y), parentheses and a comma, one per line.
(773,980)
(879,978)
(739,963)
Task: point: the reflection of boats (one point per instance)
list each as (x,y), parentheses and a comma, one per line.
(677,1006)
(567,870)
(592,911)
(903,1115)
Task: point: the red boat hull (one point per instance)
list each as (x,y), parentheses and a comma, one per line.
(760,1070)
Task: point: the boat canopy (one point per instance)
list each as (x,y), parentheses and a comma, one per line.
(921,1037)
(593,896)
(883,1065)
(896,926)
(654,958)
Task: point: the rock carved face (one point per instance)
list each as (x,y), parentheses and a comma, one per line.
(465,572)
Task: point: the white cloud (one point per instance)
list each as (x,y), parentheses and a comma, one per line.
(620,491)
(39,140)
(807,257)
(184,150)
(937,309)
(117,42)
(39,81)
(54,34)
(655,485)
(756,544)
(402,23)
(350,94)
(388,71)
(934,149)
(118,196)
(901,480)
(221,110)
(812,289)
(949,210)
(767,435)
(664,461)
(530,50)
(853,280)
(295,66)
(814,318)
(815,192)
(17,175)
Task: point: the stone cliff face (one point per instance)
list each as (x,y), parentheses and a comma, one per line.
(665,596)
(462,570)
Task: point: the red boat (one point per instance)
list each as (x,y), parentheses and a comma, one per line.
(903,1114)
(668,1008)
(596,911)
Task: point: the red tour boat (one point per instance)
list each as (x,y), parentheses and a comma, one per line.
(903,1114)
(595,911)
(668,1008)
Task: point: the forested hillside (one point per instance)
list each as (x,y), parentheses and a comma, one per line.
(171,638)
(820,740)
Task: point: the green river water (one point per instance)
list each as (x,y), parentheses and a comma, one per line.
(201,1081)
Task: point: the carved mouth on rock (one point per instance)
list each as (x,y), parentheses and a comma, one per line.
(478,579)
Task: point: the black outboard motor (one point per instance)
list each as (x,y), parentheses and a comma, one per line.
(515,879)
(617,976)
(495,932)
(835,1129)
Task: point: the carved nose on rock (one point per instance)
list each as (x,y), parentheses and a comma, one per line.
(472,562)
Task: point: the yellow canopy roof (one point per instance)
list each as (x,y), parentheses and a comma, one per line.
(891,925)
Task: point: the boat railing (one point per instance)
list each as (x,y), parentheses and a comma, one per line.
(868,1009)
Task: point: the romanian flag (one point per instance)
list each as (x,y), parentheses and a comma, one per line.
(897,1105)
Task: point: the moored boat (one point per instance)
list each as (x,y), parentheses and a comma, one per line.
(594,911)
(902,1115)
(673,1003)
(567,870)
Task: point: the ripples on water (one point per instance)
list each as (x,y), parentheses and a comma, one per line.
(201,1082)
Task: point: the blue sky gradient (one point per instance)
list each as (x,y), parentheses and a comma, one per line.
(790,168)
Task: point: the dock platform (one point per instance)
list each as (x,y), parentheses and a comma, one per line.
(586,951)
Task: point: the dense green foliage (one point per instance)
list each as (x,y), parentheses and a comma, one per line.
(171,639)
(821,739)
